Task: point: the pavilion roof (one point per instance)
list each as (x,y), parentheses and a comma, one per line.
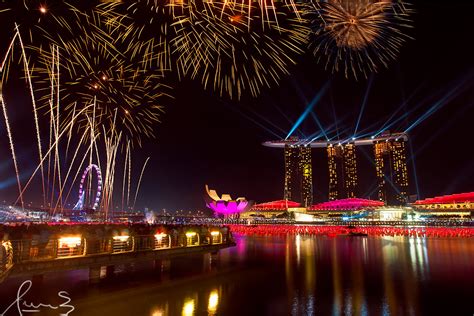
(347,204)
(448,199)
(276,205)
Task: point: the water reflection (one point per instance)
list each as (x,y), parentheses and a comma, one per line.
(336,281)
(292,275)
(213,302)
(159,311)
(391,267)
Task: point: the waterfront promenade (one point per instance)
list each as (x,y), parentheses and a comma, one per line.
(36,249)
(334,230)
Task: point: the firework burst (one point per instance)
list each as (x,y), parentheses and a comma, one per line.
(357,36)
(38,19)
(231,52)
(126,98)
(263,10)
(143,29)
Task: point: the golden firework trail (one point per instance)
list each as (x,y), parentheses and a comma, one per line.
(139,182)
(50,150)
(7,122)
(92,139)
(129,174)
(69,136)
(92,71)
(64,120)
(231,56)
(144,28)
(71,164)
(127,151)
(51,115)
(7,54)
(12,148)
(91,147)
(112,144)
(33,102)
(57,167)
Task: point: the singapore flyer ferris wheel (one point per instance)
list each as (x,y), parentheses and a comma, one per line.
(82,192)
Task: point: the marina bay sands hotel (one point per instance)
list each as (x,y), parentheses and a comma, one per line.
(390,167)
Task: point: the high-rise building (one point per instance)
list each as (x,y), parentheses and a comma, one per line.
(391,171)
(400,170)
(291,174)
(307,176)
(350,170)
(342,164)
(336,176)
(390,164)
(298,174)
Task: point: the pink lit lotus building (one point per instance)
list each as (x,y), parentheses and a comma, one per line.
(225,205)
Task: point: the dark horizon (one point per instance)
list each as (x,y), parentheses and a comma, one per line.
(206,139)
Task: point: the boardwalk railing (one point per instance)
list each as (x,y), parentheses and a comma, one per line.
(6,258)
(75,246)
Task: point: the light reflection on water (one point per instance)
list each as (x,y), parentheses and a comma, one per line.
(213,302)
(293,275)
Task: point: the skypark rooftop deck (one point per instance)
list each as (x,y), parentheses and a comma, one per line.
(323,143)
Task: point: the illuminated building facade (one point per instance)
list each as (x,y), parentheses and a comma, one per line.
(350,170)
(291,172)
(305,167)
(335,171)
(224,205)
(390,163)
(391,171)
(272,209)
(459,205)
(298,174)
(342,164)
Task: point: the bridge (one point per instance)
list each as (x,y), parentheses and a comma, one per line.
(92,247)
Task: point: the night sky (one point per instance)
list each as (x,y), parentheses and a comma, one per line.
(205,139)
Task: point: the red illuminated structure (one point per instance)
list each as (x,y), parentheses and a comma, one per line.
(350,204)
(272,209)
(281,205)
(446,200)
(459,205)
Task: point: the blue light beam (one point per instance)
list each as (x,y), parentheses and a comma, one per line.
(437,105)
(318,122)
(309,108)
(253,120)
(364,102)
